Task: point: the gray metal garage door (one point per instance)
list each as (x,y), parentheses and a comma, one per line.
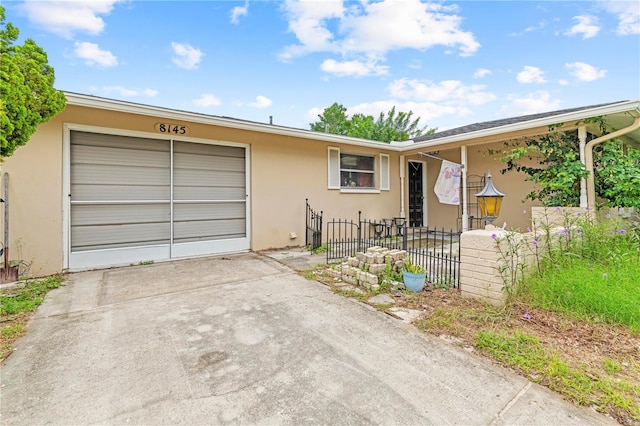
(137,199)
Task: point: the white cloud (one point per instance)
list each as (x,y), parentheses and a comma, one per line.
(531,75)
(451,92)
(186,56)
(93,55)
(481,73)
(207,100)
(261,102)
(372,28)
(587,26)
(68,16)
(532,103)
(128,93)
(355,68)
(426,111)
(585,72)
(563,82)
(628,14)
(239,11)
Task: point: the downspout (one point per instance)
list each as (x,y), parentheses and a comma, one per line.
(582,137)
(402,186)
(588,156)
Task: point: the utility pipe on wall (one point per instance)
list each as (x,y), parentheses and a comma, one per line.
(582,137)
(588,156)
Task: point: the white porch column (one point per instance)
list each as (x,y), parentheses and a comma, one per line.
(402,186)
(465,216)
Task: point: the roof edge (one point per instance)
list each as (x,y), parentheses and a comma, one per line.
(77,99)
(621,107)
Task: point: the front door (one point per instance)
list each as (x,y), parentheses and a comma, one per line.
(416,193)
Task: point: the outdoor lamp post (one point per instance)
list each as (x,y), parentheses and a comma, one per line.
(489,200)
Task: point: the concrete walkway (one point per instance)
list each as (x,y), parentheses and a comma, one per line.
(245,340)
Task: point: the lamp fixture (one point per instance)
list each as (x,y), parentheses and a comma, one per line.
(490,201)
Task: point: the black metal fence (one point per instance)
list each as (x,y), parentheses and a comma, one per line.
(313,236)
(435,249)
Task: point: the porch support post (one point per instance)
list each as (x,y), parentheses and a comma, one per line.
(463,158)
(582,136)
(402,186)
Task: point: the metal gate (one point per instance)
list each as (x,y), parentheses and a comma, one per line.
(314,227)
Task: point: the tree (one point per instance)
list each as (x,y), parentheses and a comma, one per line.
(27,95)
(390,126)
(332,120)
(552,162)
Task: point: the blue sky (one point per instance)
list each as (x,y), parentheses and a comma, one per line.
(451,63)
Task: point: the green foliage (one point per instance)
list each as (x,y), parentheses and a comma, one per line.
(617,174)
(527,353)
(390,126)
(27,298)
(558,170)
(332,120)
(553,162)
(584,268)
(27,95)
(413,268)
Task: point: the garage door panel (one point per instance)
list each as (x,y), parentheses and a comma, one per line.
(82,192)
(188,212)
(206,149)
(114,141)
(119,156)
(206,162)
(119,175)
(125,235)
(209,230)
(92,214)
(186,177)
(208,193)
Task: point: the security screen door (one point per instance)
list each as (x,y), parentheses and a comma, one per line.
(138,199)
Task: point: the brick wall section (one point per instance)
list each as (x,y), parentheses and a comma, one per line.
(479,259)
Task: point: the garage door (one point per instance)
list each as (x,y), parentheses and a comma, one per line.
(136,199)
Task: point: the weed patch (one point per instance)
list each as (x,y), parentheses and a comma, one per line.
(17,305)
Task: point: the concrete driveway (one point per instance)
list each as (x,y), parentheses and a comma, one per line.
(245,340)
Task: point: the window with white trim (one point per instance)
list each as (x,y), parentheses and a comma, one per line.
(351,171)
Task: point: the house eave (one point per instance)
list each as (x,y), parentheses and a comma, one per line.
(573,119)
(89,101)
(632,108)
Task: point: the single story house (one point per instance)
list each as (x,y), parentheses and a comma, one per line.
(109,183)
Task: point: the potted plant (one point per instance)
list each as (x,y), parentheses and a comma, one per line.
(413,276)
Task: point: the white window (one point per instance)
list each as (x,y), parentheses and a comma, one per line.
(357,172)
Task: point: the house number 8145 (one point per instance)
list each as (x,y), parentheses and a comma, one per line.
(175,129)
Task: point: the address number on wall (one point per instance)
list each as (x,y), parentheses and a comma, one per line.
(174,129)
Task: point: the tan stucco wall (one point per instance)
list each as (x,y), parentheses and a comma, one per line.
(283,172)
(35,201)
(512,184)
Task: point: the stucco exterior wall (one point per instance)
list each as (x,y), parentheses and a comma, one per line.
(283,172)
(35,201)
(512,184)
